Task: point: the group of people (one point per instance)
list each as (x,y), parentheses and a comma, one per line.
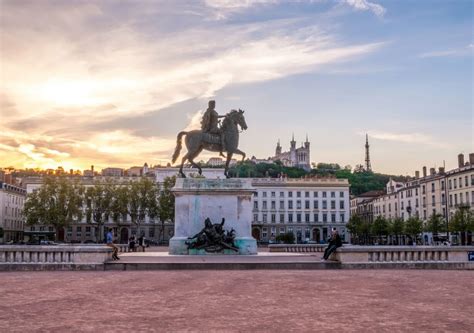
(134,244)
(203,236)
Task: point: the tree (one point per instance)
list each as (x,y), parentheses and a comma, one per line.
(287,238)
(462,222)
(413,227)
(58,202)
(360,228)
(435,225)
(396,228)
(380,227)
(99,199)
(166,203)
(353,226)
(142,201)
(119,206)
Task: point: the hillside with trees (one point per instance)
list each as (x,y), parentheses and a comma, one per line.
(361,181)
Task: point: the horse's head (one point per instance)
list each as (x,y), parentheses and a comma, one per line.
(236,118)
(240,119)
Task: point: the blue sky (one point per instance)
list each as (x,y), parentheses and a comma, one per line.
(111,84)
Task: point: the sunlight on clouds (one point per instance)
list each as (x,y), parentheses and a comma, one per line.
(76,64)
(367,5)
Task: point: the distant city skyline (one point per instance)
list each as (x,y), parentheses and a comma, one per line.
(111,84)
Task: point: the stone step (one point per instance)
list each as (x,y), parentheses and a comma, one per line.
(133,266)
(163,261)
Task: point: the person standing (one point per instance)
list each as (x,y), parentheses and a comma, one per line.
(110,243)
(141,242)
(131,243)
(334,242)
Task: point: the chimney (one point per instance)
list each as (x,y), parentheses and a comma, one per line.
(417,174)
(424,171)
(471,158)
(432,171)
(460,160)
(441,170)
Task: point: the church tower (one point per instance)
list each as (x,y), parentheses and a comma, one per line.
(306,144)
(368,167)
(293,157)
(278,149)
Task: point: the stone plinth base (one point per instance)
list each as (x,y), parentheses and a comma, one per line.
(198,199)
(246,245)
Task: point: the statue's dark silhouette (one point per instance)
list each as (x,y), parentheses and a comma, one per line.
(212,138)
(213,238)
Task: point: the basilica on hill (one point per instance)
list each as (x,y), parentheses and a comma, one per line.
(296,157)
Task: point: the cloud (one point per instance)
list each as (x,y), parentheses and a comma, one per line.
(70,66)
(365,5)
(413,138)
(222,9)
(465,51)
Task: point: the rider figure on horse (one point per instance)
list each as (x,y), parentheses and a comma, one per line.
(210,121)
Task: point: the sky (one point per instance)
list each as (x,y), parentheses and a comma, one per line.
(111,83)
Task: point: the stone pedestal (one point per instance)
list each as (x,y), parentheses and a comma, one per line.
(199,198)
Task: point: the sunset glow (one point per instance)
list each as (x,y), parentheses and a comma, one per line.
(111,84)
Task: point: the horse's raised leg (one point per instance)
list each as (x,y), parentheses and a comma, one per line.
(227,162)
(185,157)
(240,152)
(191,160)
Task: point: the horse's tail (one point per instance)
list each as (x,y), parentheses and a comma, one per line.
(179,145)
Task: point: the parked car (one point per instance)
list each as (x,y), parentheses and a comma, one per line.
(47,242)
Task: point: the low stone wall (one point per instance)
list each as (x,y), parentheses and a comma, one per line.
(354,256)
(296,247)
(53,257)
(391,254)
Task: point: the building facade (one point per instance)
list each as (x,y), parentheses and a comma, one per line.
(308,208)
(112,172)
(83,232)
(295,157)
(12,201)
(363,205)
(460,185)
(435,192)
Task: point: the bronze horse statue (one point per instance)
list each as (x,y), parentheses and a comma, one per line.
(198,140)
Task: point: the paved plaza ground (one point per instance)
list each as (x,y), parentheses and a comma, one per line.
(265,301)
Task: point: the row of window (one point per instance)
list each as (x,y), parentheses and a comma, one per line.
(307,204)
(15,199)
(13,211)
(462,199)
(453,183)
(299,217)
(13,224)
(307,194)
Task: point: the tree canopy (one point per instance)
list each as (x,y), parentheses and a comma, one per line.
(360,182)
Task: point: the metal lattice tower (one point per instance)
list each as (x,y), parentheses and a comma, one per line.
(368,167)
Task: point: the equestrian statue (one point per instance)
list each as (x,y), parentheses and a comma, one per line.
(212,137)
